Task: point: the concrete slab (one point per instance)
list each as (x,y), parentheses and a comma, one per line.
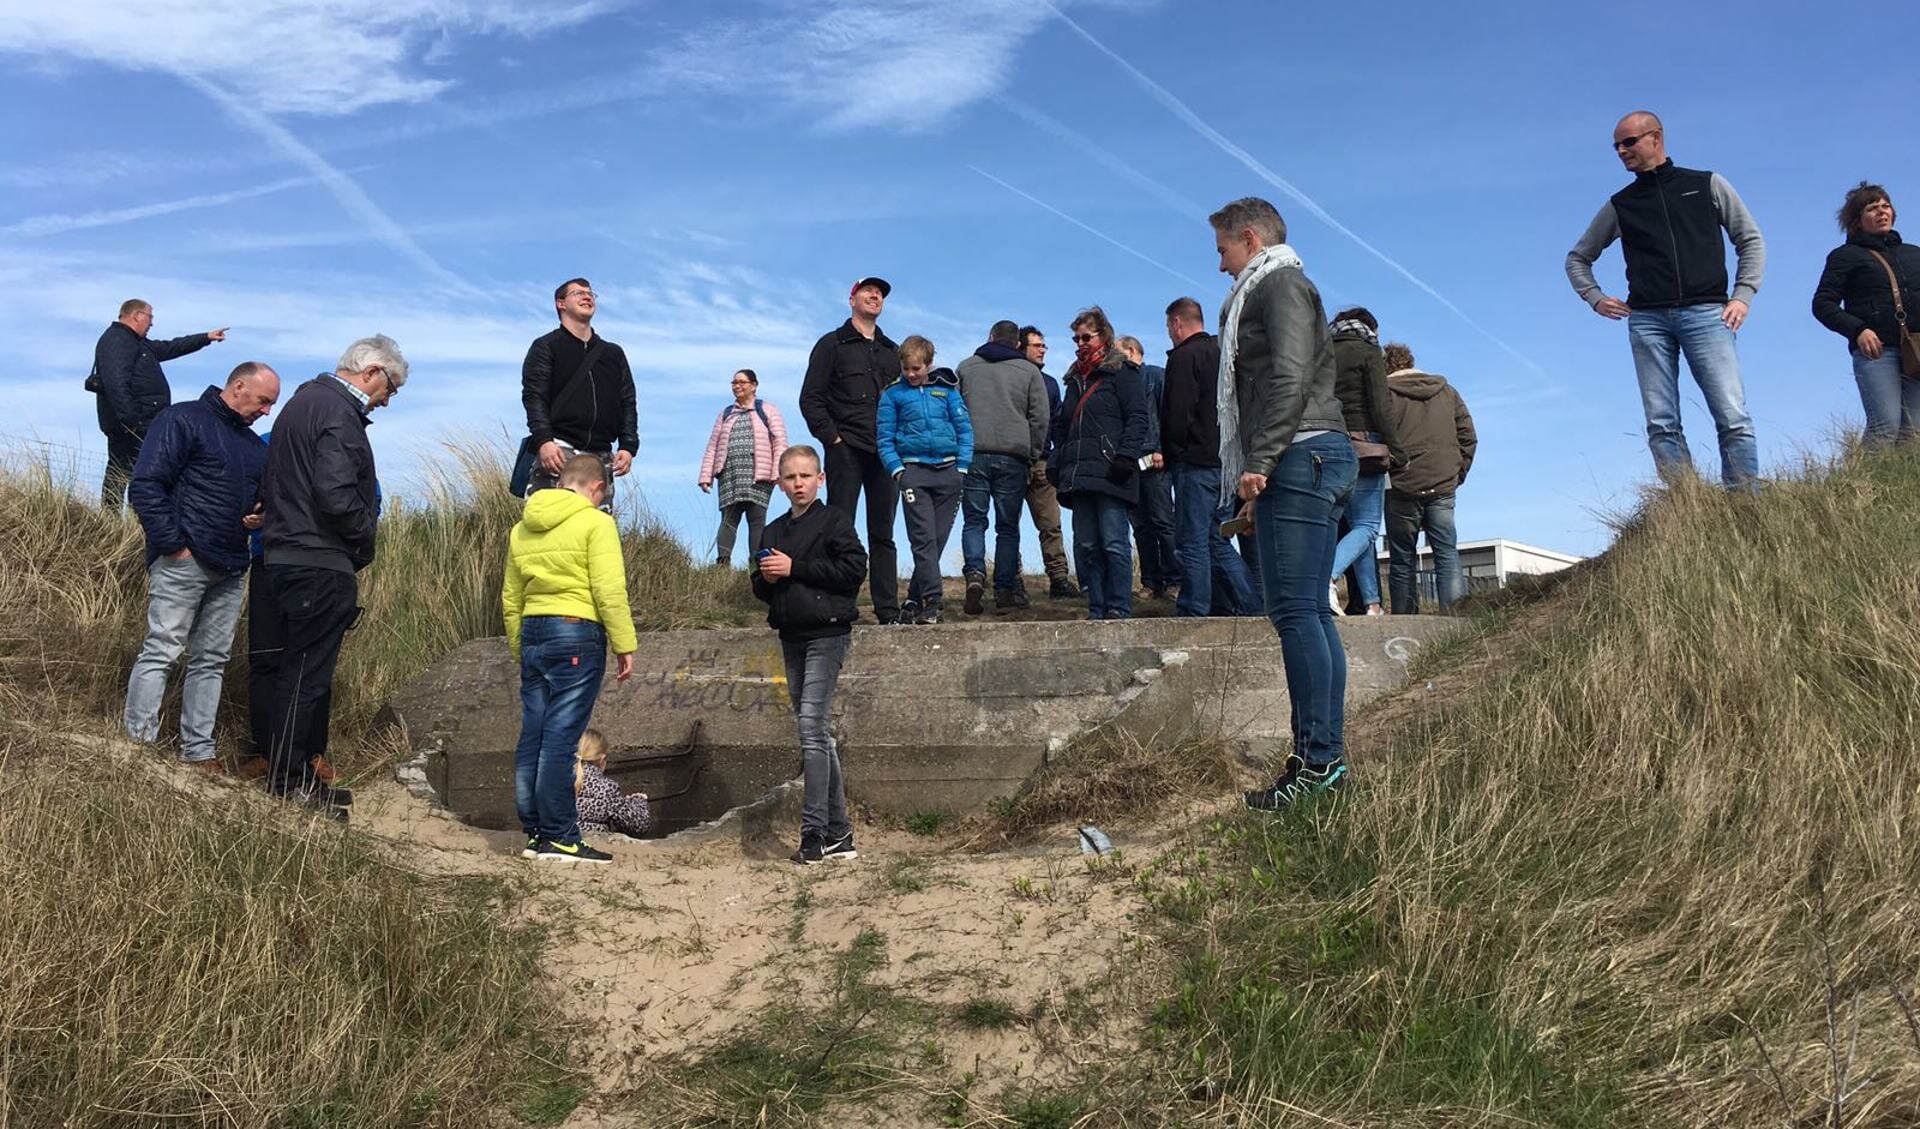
(945,717)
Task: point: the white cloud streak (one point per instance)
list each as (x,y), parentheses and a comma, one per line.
(1088,228)
(1185,113)
(58,223)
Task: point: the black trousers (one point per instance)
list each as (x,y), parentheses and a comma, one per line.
(849,472)
(309,613)
(123,450)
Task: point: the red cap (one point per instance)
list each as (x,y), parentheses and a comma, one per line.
(884,286)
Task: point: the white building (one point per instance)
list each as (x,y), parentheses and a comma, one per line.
(1488,564)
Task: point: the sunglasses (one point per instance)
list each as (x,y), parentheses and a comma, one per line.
(1082,338)
(1630,142)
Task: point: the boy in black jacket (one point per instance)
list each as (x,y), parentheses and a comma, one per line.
(809,571)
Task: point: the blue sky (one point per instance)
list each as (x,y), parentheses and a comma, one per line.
(309,172)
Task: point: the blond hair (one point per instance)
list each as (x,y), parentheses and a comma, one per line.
(592,750)
(917,346)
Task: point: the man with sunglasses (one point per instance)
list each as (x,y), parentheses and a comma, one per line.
(321,504)
(1669,223)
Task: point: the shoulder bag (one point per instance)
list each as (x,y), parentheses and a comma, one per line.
(1909,348)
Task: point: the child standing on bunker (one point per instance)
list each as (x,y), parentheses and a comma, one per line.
(810,568)
(564,599)
(926,443)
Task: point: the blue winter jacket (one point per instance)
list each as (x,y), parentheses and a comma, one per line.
(197,476)
(928,424)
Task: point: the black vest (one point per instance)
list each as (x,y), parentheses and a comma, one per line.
(1670,234)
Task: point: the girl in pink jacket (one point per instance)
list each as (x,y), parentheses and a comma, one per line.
(742,454)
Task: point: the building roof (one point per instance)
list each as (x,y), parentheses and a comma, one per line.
(1502,542)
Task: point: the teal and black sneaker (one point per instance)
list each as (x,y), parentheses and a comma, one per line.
(1298,782)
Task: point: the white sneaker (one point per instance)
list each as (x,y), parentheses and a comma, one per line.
(1333,598)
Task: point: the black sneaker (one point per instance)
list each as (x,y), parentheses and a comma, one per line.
(316,795)
(976,593)
(1300,781)
(811,852)
(909,611)
(1060,588)
(929,613)
(840,849)
(550,851)
(1010,599)
(886,620)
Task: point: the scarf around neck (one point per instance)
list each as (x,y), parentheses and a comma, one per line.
(1356,326)
(1087,358)
(1227,398)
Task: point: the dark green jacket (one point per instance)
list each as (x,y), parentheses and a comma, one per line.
(1360,380)
(1435,432)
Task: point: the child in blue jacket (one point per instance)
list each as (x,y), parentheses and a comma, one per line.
(926,443)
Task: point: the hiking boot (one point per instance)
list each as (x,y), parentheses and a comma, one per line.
(976,593)
(811,851)
(1010,599)
(1298,782)
(1061,588)
(840,849)
(928,613)
(323,770)
(550,851)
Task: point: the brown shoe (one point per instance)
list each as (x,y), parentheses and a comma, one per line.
(324,772)
(252,768)
(214,767)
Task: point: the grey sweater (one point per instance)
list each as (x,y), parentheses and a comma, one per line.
(1734,217)
(1007,401)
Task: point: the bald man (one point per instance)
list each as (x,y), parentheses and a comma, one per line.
(1669,223)
(193,488)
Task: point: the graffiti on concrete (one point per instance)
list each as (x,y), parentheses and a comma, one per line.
(1402,648)
(745,682)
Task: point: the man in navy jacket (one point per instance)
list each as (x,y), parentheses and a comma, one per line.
(193,489)
(130,389)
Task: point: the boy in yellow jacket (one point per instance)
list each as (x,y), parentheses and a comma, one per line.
(565,599)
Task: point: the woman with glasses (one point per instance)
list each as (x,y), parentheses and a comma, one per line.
(1099,433)
(742,452)
(1869,293)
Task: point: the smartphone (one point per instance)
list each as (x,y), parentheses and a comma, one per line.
(763,554)
(1234,527)
(1146,462)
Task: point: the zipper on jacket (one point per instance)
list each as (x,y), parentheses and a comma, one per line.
(1679,283)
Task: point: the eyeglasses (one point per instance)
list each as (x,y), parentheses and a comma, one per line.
(1083,338)
(1630,142)
(580,294)
(392,388)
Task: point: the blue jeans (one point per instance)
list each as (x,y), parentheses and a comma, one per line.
(1892,401)
(1153,530)
(1296,522)
(1406,517)
(1213,578)
(191,609)
(1000,480)
(813,671)
(1366,509)
(1659,337)
(562,660)
(1103,554)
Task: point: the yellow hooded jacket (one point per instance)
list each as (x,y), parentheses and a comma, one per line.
(564,558)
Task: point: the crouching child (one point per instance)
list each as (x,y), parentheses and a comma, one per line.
(602,805)
(564,599)
(810,568)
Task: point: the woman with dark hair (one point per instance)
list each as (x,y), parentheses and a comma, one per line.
(742,453)
(1100,433)
(1869,294)
(1360,383)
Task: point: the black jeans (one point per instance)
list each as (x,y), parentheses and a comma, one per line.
(123,450)
(310,614)
(1153,531)
(849,472)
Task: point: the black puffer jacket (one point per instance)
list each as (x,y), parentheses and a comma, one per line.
(1098,443)
(1854,293)
(132,388)
(817,600)
(846,373)
(197,476)
(319,490)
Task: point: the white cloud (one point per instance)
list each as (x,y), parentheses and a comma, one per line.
(307,56)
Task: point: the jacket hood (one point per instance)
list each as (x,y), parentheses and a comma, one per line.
(550,509)
(1344,334)
(1885,242)
(1417,385)
(994,351)
(944,376)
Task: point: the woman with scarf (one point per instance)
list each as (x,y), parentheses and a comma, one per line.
(1869,294)
(1285,453)
(742,453)
(1099,435)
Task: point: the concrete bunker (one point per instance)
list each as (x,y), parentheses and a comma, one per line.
(946,718)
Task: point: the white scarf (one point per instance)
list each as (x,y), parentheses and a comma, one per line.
(1270,259)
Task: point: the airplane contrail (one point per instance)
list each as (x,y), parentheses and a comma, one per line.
(351,196)
(59,222)
(1185,113)
(1036,117)
(1089,229)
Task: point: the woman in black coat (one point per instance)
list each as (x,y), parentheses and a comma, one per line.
(1858,300)
(1099,434)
